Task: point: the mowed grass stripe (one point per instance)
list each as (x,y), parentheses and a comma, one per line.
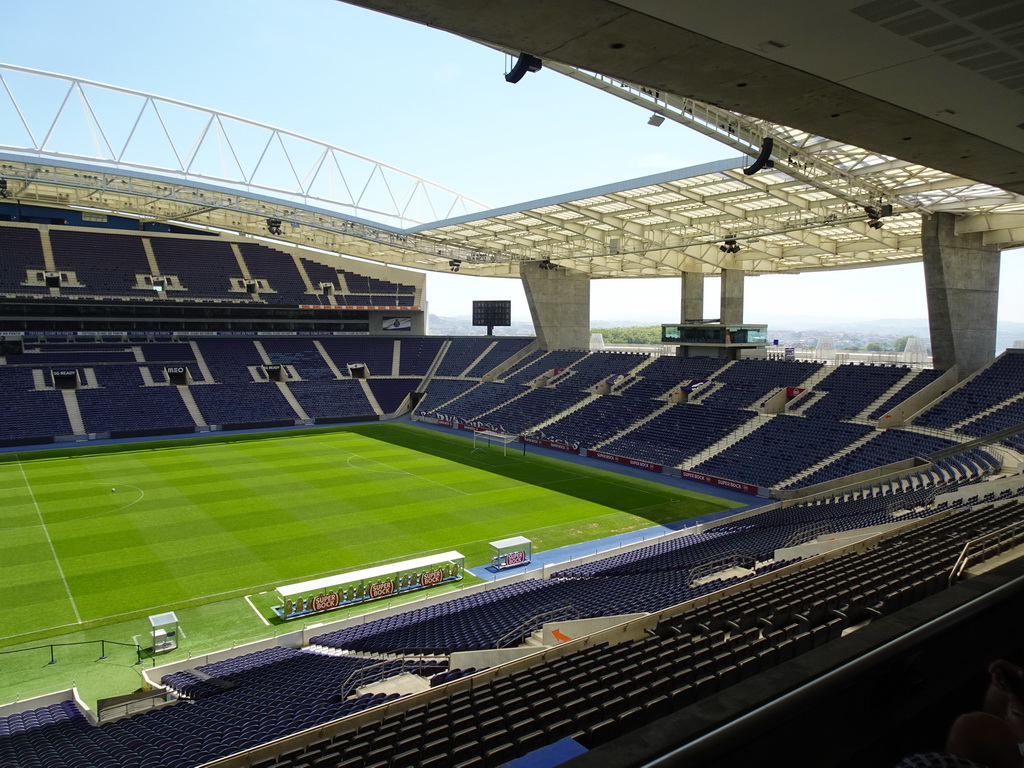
(201,521)
(46,588)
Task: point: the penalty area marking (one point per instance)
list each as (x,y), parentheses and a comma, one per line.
(262,617)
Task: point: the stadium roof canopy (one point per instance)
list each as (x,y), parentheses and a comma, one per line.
(824,204)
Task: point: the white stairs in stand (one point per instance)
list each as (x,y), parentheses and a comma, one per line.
(704,392)
(815,378)
(806,400)
(479,357)
(863,415)
(74,414)
(733,437)
(526,391)
(634,425)
(563,414)
(433,407)
(535,640)
(986,412)
(838,454)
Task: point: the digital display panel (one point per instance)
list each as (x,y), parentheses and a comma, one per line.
(489,313)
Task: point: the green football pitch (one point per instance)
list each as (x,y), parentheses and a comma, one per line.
(96,536)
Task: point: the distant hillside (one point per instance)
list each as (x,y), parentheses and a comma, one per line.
(462,325)
(798,332)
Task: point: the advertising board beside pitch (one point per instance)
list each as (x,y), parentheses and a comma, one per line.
(721,482)
(325,594)
(640,463)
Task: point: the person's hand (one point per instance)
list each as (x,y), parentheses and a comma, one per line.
(1007,677)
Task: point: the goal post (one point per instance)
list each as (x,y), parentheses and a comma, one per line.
(499,438)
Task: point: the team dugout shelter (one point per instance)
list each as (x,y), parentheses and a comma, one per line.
(330,592)
(512,552)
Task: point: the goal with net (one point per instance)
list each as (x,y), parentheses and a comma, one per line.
(497,438)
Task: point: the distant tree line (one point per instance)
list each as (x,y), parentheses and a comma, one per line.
(651,334)
(643,334)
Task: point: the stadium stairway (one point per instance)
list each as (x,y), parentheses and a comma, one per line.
(980,414)
(147,249)
(824,462)
(286,393)
(438,359)
(74,414)
(562,414)
(865,414)
(711,385)
(815,378)
(709,388)
(193,408)
(201,363)
(733,437)
(634,425)
(479,357)
(505,365)
(370,396)
(799,404)
(327,359)
(499,406)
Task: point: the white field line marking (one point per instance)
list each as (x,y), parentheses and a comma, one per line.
(262,618)
(396,472)
(142,495)
(256,587)
(46,531)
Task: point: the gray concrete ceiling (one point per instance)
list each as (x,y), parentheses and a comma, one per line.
(939,83)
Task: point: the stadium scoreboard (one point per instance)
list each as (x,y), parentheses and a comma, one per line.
(492,313)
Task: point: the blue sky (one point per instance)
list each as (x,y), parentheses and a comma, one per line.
(434,105)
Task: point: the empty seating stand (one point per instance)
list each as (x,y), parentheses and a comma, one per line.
(21,254)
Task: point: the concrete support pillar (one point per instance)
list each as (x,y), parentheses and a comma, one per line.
(961,277)
(732,296)
(692,309)
(559,302)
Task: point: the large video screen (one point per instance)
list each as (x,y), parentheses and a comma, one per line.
(488,313)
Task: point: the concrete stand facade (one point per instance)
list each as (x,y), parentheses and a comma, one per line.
(732,296)
(962,286)
(559,302)
(692,309)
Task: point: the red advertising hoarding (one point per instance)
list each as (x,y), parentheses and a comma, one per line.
(721,482)
(624,460)
(549,444)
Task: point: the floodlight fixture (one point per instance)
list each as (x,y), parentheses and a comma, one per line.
(729,246)
(763,159)
(274,226)
(656,120)
(524,64)
(454,265)
(875,214)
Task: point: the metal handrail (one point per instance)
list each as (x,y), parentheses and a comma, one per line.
(357,676)
(963,560)
(535,621)
(103,648)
